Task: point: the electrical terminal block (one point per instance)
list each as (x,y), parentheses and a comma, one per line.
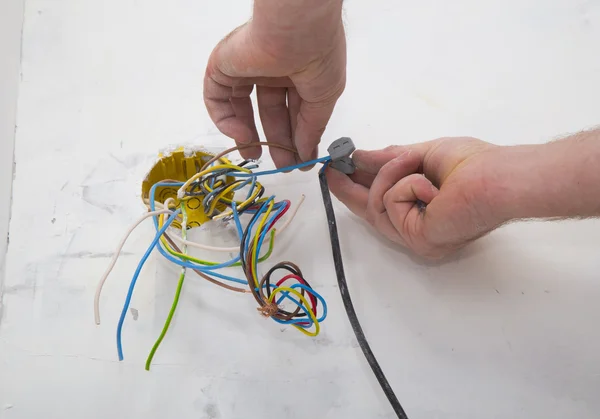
(341,155)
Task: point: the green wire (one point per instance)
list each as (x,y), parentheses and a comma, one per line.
(168,321)
(180,287)
(208,263)
(266,255)
(182,279)
(175,299)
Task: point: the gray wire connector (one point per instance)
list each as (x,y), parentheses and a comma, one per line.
(340,151)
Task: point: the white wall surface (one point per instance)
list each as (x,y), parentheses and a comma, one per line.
(507,329)
(11,24)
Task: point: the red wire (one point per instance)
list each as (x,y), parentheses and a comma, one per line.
(281,214)
(313,299)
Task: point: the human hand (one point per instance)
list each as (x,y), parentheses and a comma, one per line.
(294,52)
(431,198)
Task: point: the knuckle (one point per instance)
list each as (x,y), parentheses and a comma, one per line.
(325,96)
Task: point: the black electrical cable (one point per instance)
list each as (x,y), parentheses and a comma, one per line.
(341,278)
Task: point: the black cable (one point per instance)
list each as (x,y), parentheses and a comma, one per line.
(341,278)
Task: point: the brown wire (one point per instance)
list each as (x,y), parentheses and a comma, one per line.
(282,315)
(203,275)
(245,146)
(262,300)
(269,309)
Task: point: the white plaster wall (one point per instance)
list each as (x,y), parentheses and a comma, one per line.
(11,23)
(508,329)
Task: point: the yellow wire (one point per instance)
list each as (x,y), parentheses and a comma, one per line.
(224,198)
(258,230)
(303,300)
(221,197)
(173,252)
(242,205)
(212,169)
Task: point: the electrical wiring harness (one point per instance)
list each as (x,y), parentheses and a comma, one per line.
(211,191)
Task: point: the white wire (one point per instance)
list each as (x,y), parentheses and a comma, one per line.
(116,256)
(181,240)
(237,248)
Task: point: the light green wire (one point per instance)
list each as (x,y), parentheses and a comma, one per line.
(177,294)
(185,256)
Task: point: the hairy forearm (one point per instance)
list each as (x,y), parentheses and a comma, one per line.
(560,179)
(297,25)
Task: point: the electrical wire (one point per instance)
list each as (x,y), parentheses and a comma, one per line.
(213,184)
(207,276)
(115,257)
(175,298)
(117,253)
(285,169)
(134,280)
(347,300)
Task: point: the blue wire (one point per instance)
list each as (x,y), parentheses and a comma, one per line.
(285,294)
(251,187)
(311,291)
(251,225)
(278,207)
(268,226)
(238,224)
(283,169)
(215,192)
(212,180)
(202,268)
(275,207)
(324,166)
(264,232)
(180,262)
(184,264)
(135,277)
(153,192)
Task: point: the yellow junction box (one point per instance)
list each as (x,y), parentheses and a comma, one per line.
(180,165)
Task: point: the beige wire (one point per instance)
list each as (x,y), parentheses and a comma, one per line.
(177,238)
(116,257)
(236,248)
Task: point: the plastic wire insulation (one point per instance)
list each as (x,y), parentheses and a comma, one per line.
(134,280)
(115,257)
(347,300)
(175,298)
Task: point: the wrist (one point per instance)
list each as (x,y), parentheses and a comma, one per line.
(296,28)
(554,180)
